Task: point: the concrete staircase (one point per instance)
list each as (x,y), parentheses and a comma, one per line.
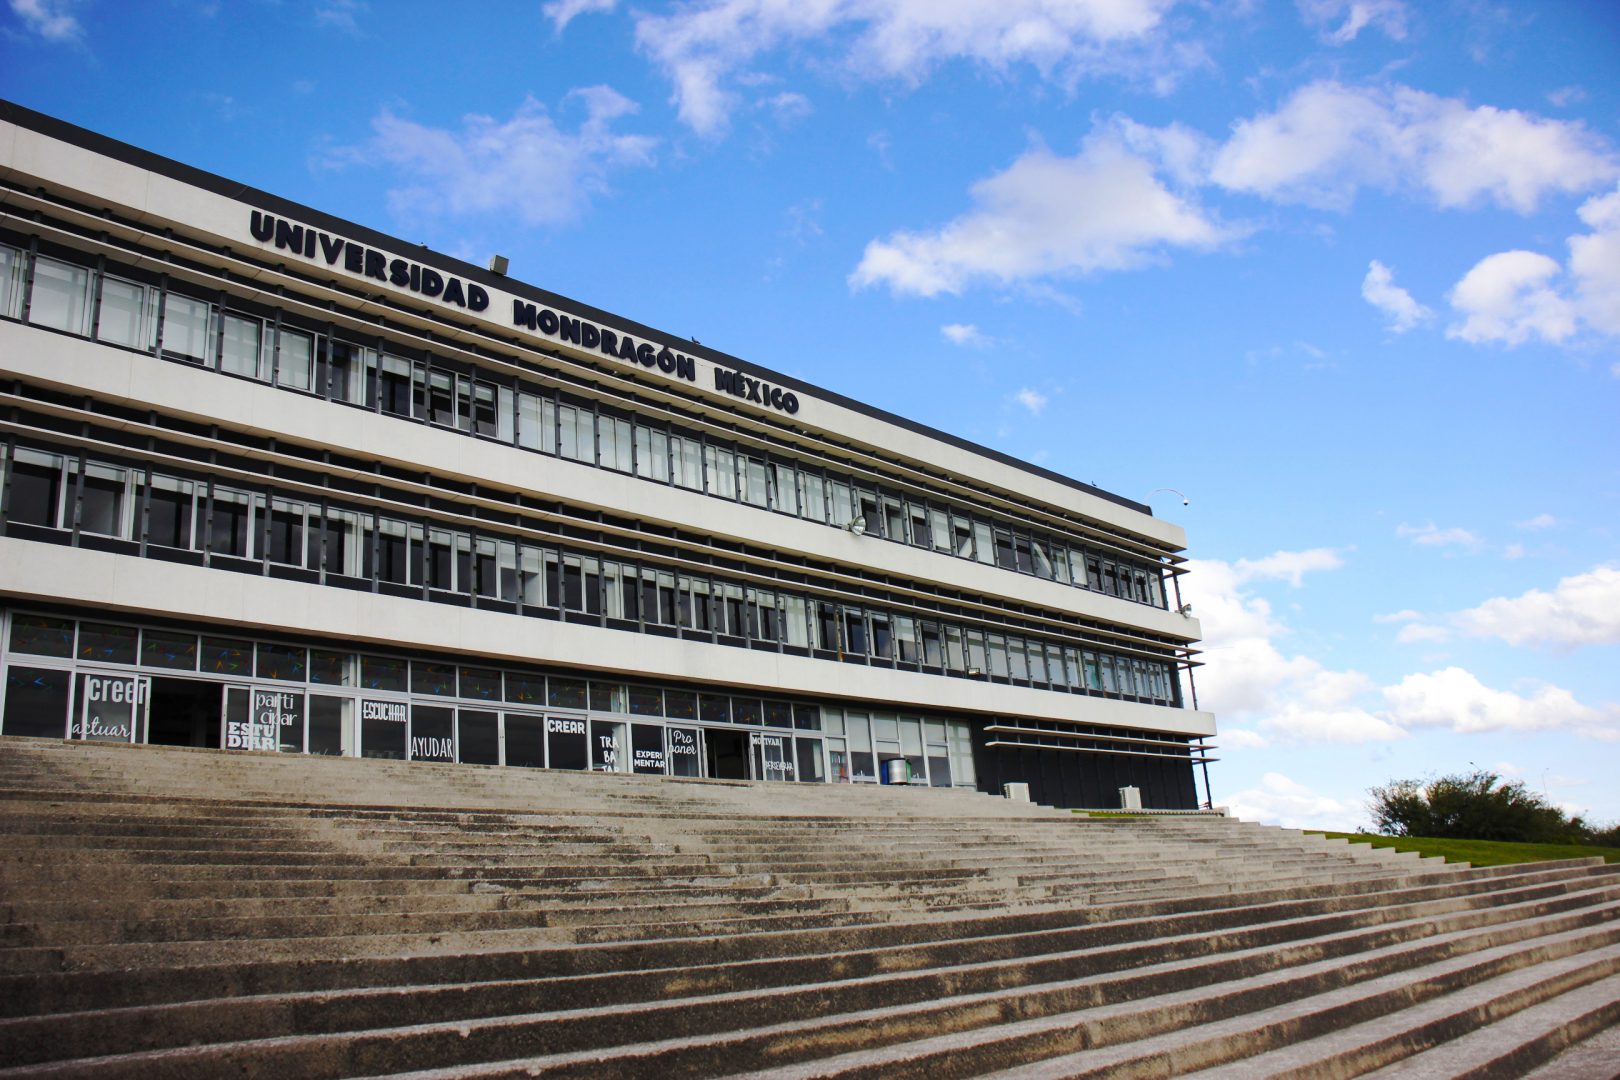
(185,913)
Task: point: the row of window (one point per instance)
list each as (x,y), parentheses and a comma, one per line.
(433,727)
(185,651)
(125,312)
(203,520)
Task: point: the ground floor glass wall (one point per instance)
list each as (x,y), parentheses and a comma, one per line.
(82,678)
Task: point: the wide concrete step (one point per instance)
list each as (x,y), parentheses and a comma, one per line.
(771,1030)
(961,996)
(71,982)
(1557,985)
(1538,1035)
(1187,1034)
(197,913)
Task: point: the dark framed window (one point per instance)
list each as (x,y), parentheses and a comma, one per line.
(42,635)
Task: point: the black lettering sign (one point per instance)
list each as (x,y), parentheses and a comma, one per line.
(357,259)
(737,384)
(307,241)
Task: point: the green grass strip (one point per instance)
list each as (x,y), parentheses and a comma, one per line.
(1480,852)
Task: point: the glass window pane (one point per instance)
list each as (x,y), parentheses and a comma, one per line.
(36,703)
(608,697)
(526,689)
(170,505)
(187,327)
(575,437)
(242,351)
(432,733)
(295,360)
(566,743)
(331,668)
(123,318)
(649,701)
(753,482)
(430,678)
(165,649)
(481,684)
(722,472)
(383,729)
(107,644)
(680,705)
(652,454)
(287,662)
(36,488)
(61,296)
(231,531)
(567,693)
(477,737)
(221,656)
(383,673)
(330,723)
(287,532)
(101,510)
(11,277)
(812,497)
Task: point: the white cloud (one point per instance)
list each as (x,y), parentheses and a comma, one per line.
(1247,678)
(1272,697)
(1033,400)
(1515,296)
(1282,801)
(1431,535)
(1537,523)
(1507,298)
(1388,16)
(1102,209)
(340,15)
(1594,263)
(1378,288)
(804,220)
(1289,566)
(1454,699)
(1513,551)
(52,20)
(1580,610)
(563,12)
(1418,633)
(964,334)
(1328,140)
(707,46)
(787,107)
(527,166)
(1347,724)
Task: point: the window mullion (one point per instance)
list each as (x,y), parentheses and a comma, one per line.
(95,297)
(28,279)
(5,479)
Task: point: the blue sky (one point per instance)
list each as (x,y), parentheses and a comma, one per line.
(1344,272)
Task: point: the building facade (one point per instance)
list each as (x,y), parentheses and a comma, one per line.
(272,481)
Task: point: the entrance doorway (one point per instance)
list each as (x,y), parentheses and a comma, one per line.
(183,712)
(727,753)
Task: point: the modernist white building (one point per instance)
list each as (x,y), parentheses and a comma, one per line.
(274,481)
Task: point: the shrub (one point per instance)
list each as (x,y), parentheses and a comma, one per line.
(1475,806)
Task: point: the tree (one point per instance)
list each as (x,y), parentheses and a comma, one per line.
(1475,806)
